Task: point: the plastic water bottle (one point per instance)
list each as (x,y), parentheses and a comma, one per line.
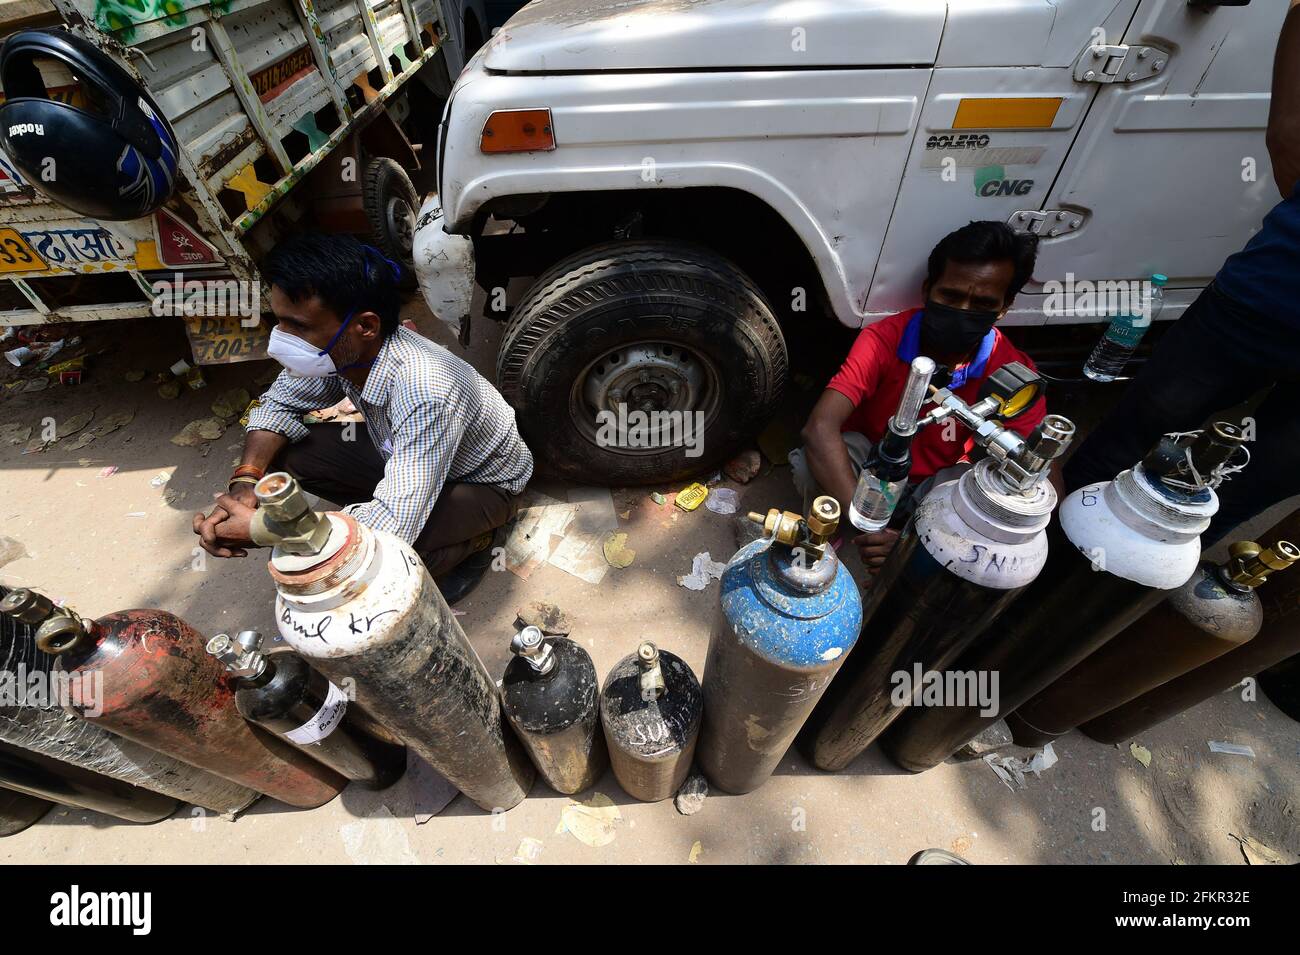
(883,481)
(1123,335)
(875,500)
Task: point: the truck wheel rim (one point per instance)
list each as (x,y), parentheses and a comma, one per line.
(401,224)
(645,398)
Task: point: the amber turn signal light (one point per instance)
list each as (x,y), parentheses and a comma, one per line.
(518,131)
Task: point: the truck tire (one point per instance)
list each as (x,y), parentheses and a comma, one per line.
(391,205)
(653,326)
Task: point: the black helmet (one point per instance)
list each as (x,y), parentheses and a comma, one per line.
(115,159)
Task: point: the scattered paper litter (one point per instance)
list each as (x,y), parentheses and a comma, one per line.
(697,849)
(722,500)
(1232,749)
(108,471)
(1141,754)
(529,543)
(582,552)
(377,840)
(529,851)
(703,569)
(159,479)
(1013,768)
(617,553)
(592,822)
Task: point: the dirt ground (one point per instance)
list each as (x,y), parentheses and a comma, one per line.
(106,541)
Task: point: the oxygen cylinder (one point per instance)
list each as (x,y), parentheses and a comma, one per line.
(46,778)
(1119,547)
(1278,639)
(357,604)
(789,615)
(968,552)
(1215,611)
(281,693)
(1281,684)
(160,689)
(40,724)
(650,709)
(18,811)
(549,695)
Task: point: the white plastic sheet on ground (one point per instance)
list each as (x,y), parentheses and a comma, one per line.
(1011,769)
(703,569)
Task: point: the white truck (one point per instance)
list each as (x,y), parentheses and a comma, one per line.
(688,177)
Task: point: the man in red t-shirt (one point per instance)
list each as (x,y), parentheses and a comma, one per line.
(974,275)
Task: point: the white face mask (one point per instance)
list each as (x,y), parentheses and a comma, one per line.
(300,357)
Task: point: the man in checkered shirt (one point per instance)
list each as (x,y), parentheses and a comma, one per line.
(443,465)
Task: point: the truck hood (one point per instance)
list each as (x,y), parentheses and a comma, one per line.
(581,36)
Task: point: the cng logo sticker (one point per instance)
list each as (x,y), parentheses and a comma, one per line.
(993,181)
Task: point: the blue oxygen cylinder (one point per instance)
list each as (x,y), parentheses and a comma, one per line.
(789,616)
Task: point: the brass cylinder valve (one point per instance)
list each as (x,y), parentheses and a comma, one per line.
(284,519)
(1249,565)
(652,674)
(58,629)
(794,530)
(27,606)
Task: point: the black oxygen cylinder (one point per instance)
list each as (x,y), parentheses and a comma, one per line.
(968,552)
(549,693)
(1213,613)
(1118,549)
(46,778)
(18,811)
(1281,684)
(650,709)
(281,693)
(1277,639)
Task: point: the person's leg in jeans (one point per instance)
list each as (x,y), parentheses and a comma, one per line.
(346,472)
(1197,369)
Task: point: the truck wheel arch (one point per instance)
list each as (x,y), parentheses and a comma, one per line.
(752,234)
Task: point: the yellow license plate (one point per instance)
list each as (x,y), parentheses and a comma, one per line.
(16,255)
(220,341)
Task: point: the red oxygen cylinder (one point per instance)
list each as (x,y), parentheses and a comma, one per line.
(157,685)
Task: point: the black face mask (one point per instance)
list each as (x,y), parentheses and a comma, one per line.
(953,333)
